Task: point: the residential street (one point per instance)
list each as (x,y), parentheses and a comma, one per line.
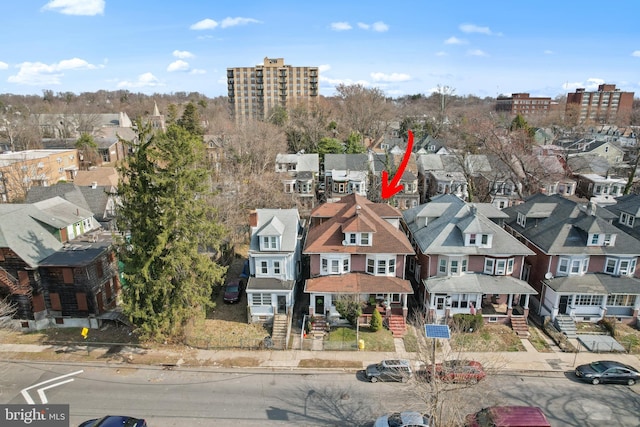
(206,397)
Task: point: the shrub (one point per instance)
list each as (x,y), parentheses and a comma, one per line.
(376,321)
(609,324)
(350,310)
(467,322)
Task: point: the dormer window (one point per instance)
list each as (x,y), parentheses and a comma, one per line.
(522,220)
(601,239)
(626,219)
(359,239)
(270,243)
(478,239)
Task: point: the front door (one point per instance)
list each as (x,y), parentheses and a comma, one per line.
(441,300)
(282,304)
(564,301)
(319,310)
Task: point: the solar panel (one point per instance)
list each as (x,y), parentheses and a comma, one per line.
(437,331)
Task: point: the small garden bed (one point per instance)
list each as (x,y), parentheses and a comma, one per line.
(381,340)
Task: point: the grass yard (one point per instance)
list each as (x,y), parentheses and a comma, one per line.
(382,340)
(490,338)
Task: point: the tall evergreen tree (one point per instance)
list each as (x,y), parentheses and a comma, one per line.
(168,278)
(190,120)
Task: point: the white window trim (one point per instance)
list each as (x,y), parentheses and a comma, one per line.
(582,264)
(617,266)
(498,266)
(389,261)
(522,220)
(270,243)
(336,261)
(358,237)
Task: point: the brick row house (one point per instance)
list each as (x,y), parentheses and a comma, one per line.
(584,267)
(56,265)
(357,250)
(466,262)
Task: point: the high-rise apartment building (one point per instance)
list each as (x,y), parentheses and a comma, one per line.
(525,105)
(254,91)
(604,106)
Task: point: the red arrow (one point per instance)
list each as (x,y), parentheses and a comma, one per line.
(389,189)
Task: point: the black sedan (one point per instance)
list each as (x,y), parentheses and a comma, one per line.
(115,421)
(608,371)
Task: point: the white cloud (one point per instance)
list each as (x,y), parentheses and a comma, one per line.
(340,26)
(76,7)
(198,71)
(38,73)
(455,40)
(205,24)
(144,80)
(472,28)
(477,52)
(233,22)
(635,53)
(324,67)
(548,52)
(3,65)
(182,54)
(393,77)
(441,53)
(178,65)
(335,82)
(380,27)
(591,84)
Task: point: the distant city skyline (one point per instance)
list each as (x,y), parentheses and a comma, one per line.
(404,48)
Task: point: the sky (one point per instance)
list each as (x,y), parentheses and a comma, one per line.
(403,47)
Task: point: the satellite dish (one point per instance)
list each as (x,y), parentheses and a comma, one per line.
(548,275)
(344,243)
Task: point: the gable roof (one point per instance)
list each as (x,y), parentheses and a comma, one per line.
(559,226)
(448,219)
(26,236)
(89,198)
(354,212)
(272,222)
(355,162)
(305,162)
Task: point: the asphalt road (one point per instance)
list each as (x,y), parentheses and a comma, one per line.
(252,397)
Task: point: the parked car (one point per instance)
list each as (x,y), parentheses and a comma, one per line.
(456,371)
(115,421)
(389,370)
(508,416)
(608,371)
(233,291)
(404,419)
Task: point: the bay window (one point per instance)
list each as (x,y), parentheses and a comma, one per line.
(381,265)
(335,265)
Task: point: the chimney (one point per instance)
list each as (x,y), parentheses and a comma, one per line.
(94,185)
(253,218)
(591,209)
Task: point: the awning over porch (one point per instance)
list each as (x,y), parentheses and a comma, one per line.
(358,283)
(478,283)
(595,283)
(269,284)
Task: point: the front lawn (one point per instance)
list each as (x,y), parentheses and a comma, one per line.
(490,337)
(382,340)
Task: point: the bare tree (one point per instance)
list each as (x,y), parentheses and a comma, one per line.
(364,110)
(7,311)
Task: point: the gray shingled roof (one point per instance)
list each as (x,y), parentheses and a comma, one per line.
(478,283)
(595,283)
(27,237)
(444,234)
(284,222)
(560,226)
(92,199)
(355,162)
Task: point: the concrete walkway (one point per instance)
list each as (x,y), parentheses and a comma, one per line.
(530,361)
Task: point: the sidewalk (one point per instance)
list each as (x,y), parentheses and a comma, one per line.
(527,362)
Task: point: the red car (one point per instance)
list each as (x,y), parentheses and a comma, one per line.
(457,371)
(233,291)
